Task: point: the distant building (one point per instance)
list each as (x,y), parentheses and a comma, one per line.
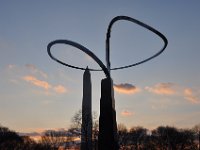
(86,128)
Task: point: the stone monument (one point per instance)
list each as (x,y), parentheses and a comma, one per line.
(86,127)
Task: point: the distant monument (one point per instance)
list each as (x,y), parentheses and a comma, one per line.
(86,127)
(107,121)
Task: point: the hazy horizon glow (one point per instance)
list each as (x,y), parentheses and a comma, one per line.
(36,93)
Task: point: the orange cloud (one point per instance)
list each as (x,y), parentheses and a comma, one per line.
(190,96)
(33,80)
(162,89)
(126,88)
(45,85)
(126,113)
(60,89)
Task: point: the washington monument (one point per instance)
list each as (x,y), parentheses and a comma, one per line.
(86,128)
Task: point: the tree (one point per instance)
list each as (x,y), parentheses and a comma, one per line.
(123,136)
(173,139)
(137,136)
(148,143)
(77,119)
(77,123)
(9,139)
(95,133)
(54,139)
(186,139)
(196,130)
(165,137)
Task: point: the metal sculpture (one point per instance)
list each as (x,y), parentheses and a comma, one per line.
(107,121)
(95,58)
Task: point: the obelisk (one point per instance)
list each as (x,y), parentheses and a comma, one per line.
(86,128)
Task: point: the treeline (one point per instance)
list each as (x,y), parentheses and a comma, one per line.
(161,138)
(50,140)
(136,138)
(10,140)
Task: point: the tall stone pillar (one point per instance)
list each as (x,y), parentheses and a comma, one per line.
(86,128)
(107,139)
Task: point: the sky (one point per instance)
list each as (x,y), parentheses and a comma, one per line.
(36,93)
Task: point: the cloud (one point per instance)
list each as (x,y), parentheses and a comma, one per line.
(17,70)
(33,80)
(126,88)
(35,70)
(162,89)
(33,76)
(126,113)
(191,96)
(60,89)
(45,85)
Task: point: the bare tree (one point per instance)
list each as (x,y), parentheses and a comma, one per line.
(77,123)
(77,119)
(123,136)
(137,136)
(173,138)
(95,133)
(9,139)
(186,139)
(53,138)
(196,129)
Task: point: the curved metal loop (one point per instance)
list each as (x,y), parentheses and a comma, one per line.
(93,56)
(80,47)
(141,24)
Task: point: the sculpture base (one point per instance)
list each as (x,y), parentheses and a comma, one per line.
(107,139)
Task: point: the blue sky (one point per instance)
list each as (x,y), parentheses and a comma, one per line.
(38,93)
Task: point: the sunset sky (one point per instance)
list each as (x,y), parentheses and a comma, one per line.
(36,93)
